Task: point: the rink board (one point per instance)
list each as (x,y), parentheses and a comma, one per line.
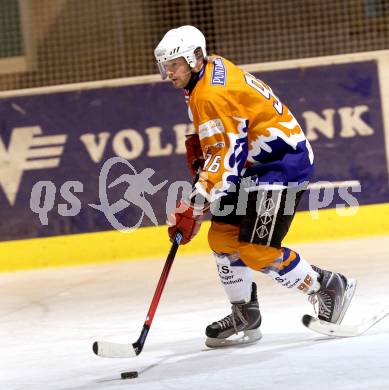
(64,136)
(153,242)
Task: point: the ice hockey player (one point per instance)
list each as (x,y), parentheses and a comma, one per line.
(253,164)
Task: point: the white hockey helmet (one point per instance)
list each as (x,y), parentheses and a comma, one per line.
(179,42)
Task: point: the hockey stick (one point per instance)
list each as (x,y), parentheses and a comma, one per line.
(115,350)
(339,330)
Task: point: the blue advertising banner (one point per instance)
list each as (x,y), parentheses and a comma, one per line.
(64,141)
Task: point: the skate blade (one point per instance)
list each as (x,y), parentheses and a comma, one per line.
(248,337)
(349,293)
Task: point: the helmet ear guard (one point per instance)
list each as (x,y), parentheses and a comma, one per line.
(186,41)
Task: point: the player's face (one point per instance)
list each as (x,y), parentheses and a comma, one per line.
(178,72)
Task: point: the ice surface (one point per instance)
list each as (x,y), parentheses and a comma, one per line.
(50,318)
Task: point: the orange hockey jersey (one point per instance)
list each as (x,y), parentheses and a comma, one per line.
(245,131)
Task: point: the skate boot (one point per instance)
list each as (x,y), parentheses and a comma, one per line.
(334,296)
(245,317)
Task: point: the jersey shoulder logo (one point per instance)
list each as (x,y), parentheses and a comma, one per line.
(218,72)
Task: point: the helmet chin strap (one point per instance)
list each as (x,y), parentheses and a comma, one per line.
(193,80)
(190,69)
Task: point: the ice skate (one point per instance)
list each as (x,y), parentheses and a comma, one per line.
(244,322)
(334,296)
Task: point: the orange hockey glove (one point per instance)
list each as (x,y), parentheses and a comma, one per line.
(194,154)
(187,220)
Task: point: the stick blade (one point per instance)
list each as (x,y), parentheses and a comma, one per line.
(329,329)
(113,350)
(341,330)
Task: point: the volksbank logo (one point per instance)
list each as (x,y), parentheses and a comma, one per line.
(27,150)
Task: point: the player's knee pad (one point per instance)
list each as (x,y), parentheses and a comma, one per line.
(223,237)
(258,257)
